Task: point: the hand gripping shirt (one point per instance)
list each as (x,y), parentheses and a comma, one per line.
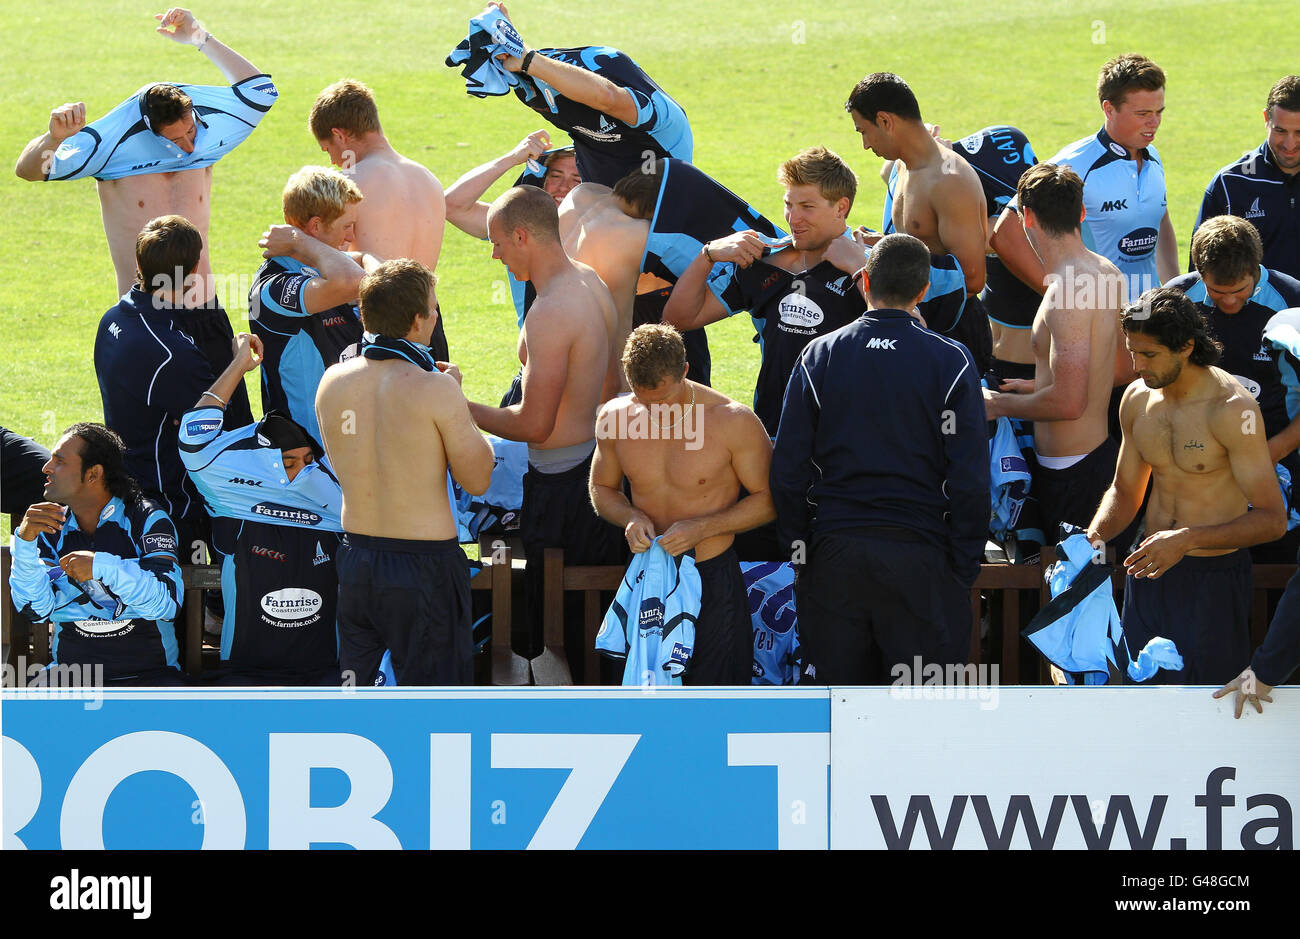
(123,617)
(278,539)
(121,143)
(298,345)
(608,149)
(789,311)
(651,622)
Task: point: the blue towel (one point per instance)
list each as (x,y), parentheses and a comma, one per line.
(652,619)
(1080,632)
(490,35)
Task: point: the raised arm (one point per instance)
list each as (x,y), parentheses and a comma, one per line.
(339,276)
(691,304)
(248,355)
(575,83)
(464,210)
(34,162)
(180,25)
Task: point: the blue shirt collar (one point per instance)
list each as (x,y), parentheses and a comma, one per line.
(1118,150)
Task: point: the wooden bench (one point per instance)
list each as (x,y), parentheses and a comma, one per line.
(20,636)
(1006,580)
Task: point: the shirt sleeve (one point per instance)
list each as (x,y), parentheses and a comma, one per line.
(964,432)
(199,438)
(281,293)
(246,101)
(1213,203)
(791,476)
(149,585)
(87,152)
(29,580)
(733,286)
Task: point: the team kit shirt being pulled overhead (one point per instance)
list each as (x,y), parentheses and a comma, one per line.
(789,311)
(123,617)
(1000,155)
(1255,189)
(121,143)
(298,345)
(608,149)
(1123,205)
(1257,364)
(278,538)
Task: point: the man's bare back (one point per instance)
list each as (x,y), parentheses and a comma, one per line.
(1071,314)
(574,317)
(403,212)
(596,232)
(384,424)
(689,473)
(1185,442)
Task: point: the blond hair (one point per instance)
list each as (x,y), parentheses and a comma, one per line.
(317,192)
(822,168)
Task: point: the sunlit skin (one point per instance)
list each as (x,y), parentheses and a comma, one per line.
(1134,121)
(505,251)
(812,220)
(340,232)
(561,176)
(182,133)
(1284,138)
(1230,298)
(873,138)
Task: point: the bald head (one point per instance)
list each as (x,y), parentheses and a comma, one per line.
(529,208)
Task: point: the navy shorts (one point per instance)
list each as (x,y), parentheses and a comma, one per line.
(1203,605)
(724,633)
(411,598)
(1073,494)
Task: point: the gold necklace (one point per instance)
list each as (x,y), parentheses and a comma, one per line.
(680,416)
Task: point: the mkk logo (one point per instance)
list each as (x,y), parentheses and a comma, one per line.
(268,553)
(1114,205)
(240,481)
(878,343)
(114,330)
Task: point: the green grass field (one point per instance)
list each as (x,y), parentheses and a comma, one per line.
(759,81)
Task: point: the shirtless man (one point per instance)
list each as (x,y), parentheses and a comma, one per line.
(1074,336)
(403,211)
(156,127)
(569,329)
(393,423)
(1199,436)
(937,196)
(685,488)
